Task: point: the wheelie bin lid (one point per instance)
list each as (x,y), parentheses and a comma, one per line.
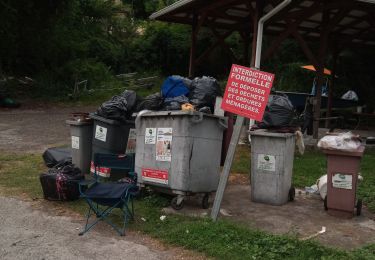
(175,113)
(264,132)
(356,153)
(78,123)
(110,121)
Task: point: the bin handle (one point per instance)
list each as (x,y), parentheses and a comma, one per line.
(223,122)
(140,114)
(197,118)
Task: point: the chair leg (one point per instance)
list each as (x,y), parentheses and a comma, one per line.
(132,207)
(87,221)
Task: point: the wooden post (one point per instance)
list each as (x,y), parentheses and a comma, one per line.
(246,50)
(331,86)
(194,33)
(227,166)
(320,74)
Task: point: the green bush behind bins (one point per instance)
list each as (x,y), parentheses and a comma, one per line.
(58,43)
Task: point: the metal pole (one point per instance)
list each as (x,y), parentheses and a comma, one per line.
(239,122)
(258,52)
(193,46)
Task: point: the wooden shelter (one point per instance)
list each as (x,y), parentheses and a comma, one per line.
(329,25)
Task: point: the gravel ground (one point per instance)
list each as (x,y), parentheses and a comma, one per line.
(34,129)
(26,233)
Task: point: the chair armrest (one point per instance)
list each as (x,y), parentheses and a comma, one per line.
(85,183)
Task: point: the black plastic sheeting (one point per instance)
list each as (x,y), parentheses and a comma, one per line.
(55,156)
(175,102)
(151,102)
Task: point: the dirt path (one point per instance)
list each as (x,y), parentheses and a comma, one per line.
(34,129)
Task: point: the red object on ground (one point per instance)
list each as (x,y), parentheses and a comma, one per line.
(247,91)
(342,171)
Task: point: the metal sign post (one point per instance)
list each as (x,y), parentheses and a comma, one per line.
(240,120)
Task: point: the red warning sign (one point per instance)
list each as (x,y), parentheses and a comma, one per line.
(154,175)
(247,91)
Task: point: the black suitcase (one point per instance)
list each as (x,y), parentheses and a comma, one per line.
(61,183)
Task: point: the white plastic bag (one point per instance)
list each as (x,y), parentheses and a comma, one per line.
(350,95)
(344,141)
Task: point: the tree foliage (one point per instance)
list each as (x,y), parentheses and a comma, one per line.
(61,42)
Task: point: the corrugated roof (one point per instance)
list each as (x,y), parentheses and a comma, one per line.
(356,19)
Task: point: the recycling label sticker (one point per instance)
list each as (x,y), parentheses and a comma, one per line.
(342,181)
(150,136)
(132,141)
(266,162)
(75,142)
(101,133)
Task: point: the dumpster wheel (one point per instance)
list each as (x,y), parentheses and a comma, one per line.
(205,203)
(292,194)
(175,205)
(359,207)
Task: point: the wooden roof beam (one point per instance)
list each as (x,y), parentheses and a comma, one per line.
(334,21)
(208,51)
(222,42)
(218,4)
(290,29)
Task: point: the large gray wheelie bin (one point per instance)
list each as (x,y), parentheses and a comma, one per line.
(81,137)
(109,136)
(272,156)
(179,152)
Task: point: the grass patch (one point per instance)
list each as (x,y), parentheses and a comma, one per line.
(308,168)
(20,174)
(222,240)
(241,163)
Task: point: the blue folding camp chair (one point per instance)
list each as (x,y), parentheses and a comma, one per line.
(103,197)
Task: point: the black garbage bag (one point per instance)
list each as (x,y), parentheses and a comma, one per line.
(279,112)
(188,82)
(175,102)
(151,102)
(56,156)
(61,182)
(204,91)
(119,107)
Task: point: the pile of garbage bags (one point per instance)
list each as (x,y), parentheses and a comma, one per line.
(176,93)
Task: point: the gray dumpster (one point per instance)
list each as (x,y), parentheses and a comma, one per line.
(179,152)
(272,156)
(81,137)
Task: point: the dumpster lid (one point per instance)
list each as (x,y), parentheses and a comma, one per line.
(265,132)
(176,113)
